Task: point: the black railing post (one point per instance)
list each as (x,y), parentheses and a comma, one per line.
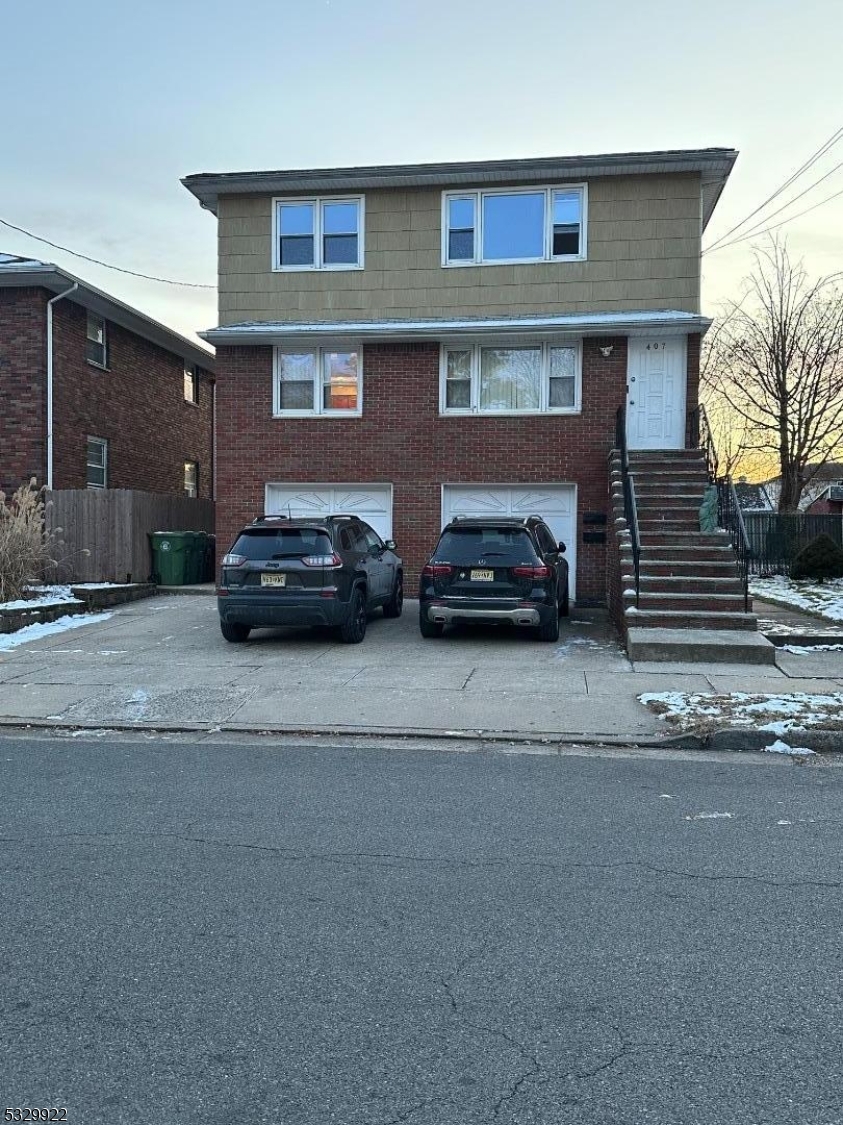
(630,505)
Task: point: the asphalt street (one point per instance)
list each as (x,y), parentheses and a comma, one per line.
(253,932)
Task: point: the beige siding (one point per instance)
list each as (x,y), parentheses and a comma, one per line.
(643,253)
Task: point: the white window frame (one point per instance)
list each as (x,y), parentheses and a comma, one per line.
(318,410)
(94,363)
(475,349)
(548,256)
(103,443)
(318,202)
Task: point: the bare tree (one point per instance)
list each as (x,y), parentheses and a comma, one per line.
(775,367)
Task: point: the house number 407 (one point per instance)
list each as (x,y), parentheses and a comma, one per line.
(655,347)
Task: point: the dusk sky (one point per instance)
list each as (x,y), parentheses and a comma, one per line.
(107,104)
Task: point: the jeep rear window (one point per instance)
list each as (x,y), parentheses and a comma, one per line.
(468,544)
(282,543)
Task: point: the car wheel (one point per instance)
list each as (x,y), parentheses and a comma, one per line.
(234,632)
(396,602)
(565,609)
(429,628)
(549,630)
(353,629)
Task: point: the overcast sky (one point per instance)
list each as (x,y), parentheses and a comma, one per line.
(106,104)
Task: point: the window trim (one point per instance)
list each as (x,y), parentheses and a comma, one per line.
(195,464)
(103,443)
(105,349)
(318,410)
(192,370)
(478,195)
(318,202)
(475,348)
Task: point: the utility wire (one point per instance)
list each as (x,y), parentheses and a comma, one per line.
(107,265)
(809,163)
(775,226)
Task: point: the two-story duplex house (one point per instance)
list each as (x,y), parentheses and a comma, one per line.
(94,393)
(414,342)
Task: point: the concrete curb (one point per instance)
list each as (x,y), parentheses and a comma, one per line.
(728,739)
(13,620)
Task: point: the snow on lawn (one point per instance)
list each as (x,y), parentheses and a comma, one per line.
(777,713)
(49,629)
(41,596)
(809,650)
(824,598)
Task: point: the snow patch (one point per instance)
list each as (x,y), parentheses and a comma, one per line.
(824,598)
(779,747)
(48,629)
(43,596)
(806,650)
(777,713)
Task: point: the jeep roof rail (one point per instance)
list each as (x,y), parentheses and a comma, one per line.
(267,516)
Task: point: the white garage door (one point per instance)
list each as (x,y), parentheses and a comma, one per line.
(555,503)
(371,502)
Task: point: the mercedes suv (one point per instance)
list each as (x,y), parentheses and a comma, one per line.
(491,570)
(329,572)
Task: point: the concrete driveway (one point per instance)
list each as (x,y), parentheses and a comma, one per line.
(163,661)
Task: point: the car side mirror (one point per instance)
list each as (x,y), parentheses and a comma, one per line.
(390,544)
(561,548)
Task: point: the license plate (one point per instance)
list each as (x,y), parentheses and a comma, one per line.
(273,580)
(482,576)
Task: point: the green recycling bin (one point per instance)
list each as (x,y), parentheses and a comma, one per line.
(210,559)
(171,557)
(198,550)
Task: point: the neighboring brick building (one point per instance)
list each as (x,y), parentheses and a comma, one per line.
(410,343)
(132,400)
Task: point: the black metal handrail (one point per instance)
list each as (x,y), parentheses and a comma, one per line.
(698,436)
(630,504)
(730,518)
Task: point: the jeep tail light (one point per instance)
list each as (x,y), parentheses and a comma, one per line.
(332,562)
(437,570)
(538,572)
(233,560)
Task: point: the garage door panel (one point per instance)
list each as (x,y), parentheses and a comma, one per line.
(372,503)
(555,503)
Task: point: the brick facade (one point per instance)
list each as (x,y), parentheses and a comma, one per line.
(401,439)
(137,405)
(23,363)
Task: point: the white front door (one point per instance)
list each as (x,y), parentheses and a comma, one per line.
(371,502)
(656,386)
(555,503)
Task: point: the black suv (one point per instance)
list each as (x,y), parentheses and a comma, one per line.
(328,571)
(488,570)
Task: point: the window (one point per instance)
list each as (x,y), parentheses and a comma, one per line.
(529,225)
(191,478)
(97,342)
(191,384)
(318,234)
(317,382)
(535,379)
(97,462)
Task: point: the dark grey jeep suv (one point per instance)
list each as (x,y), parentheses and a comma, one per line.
(329,571)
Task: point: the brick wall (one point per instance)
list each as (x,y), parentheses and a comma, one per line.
(137,405)
(402,440)
(693,392)
(23,361)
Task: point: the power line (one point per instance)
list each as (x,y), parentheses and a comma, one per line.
(775,226)
(809,163)
(107,265)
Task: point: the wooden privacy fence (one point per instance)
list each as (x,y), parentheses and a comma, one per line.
(776,538)
(104,533)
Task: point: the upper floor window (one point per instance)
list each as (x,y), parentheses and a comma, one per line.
(524,225)
(543,378)
(191,384)
(318,234)
(317,382)
(97,341)
(97,463)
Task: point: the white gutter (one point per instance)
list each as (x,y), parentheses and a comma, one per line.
(50,303)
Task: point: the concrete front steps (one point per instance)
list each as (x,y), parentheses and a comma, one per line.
(690,602)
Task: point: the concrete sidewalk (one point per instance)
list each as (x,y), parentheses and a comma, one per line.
(163,663)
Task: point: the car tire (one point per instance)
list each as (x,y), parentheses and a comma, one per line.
(396,601)
(234,632)
(565,607)
(430,628)
(353,629)
(549,630)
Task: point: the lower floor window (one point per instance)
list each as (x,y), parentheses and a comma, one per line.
(191,478)
(97,462)
(482,379)
(321,381)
